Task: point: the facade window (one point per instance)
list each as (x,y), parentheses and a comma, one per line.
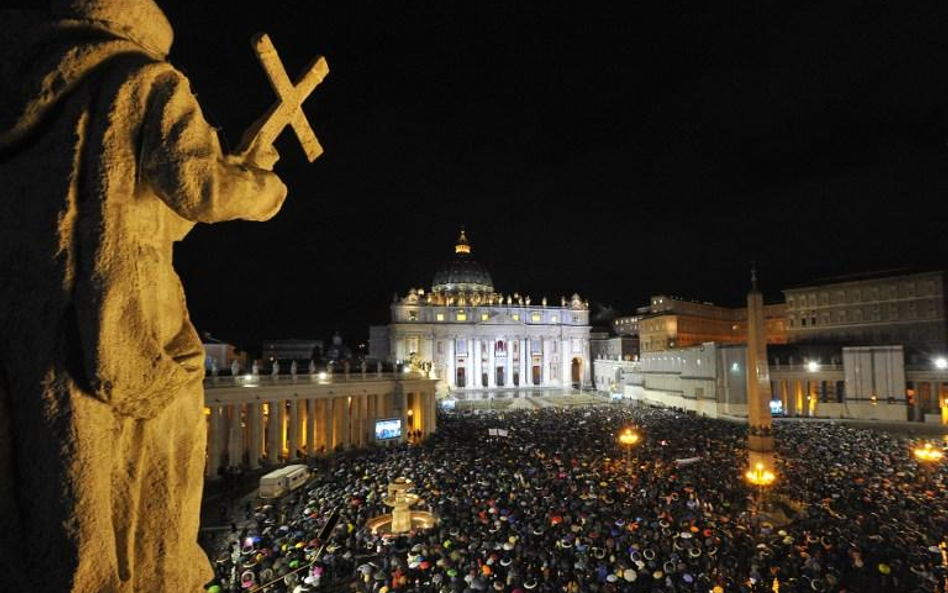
(461,346)
(462,315)
(484,316)
(516,316)
(440,347)
(537,346)
(500,347)
(412,315)
(439,316)
(803,321)
(553,319)
(411,344)
(536,317)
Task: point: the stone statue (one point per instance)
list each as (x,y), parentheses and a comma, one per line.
(234,368)
(345,367)
(293,368)
(378,368)
(275,369)
(362,366)
(106,161)
(312,367)
(213,367)
(254,369)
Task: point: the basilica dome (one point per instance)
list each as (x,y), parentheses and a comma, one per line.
(462,274)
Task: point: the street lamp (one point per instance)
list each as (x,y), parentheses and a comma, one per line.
(629,438)
(928,454)
(760,476)
(941,363)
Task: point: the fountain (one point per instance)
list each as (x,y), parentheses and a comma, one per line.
(402,519)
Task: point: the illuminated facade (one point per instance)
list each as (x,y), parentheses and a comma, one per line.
(474,337)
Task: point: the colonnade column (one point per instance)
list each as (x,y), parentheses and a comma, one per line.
(255,433)
(431,413)
(213,442)
(310,427)
(358,423)
(346,418)
(235,452)
(328,423)
(274,430)
(293,430)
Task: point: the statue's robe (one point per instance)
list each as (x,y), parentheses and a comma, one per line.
(105,162)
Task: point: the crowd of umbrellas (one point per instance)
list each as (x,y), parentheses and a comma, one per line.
(559,506)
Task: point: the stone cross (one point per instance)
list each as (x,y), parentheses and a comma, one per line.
(288,108)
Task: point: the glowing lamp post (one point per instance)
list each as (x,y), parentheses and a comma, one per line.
(629,438)
(928,454)
(761,477)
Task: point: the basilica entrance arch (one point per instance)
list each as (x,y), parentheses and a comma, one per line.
(577,371)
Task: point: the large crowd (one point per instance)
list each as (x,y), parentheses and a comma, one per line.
(559,506)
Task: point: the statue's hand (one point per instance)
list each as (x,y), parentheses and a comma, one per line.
(263,156)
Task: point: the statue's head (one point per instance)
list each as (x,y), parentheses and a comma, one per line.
(140,21)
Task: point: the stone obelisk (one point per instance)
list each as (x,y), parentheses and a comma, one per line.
(760,446)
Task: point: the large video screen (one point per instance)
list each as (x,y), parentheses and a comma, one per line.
(388,429)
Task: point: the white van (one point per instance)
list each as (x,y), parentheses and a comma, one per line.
(283,480)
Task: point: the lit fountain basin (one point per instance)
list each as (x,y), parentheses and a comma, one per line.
(402,519)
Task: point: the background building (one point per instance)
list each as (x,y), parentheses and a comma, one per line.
(677,323)
(473,336)
(907,309)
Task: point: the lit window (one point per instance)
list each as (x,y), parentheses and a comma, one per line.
(553,319)
(484,316)
(462,315)
(440,316)
(516,316)
(413,315)
(536,317)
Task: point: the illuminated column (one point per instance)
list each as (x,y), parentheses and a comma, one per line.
(474,356)
(431,413)
(274,432)
(310,427)
(449,362)
(371,412)
(254,433)
(213,442)
(282,419)
(293,430)
(328,419)
(491,362)
(358,423)
(544,362)
(524,355)
(566,363)
(345,435)
(235,454)
(508,373)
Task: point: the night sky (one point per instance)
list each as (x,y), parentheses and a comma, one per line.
(614,151)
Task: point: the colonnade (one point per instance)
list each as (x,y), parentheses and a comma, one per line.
(269,430)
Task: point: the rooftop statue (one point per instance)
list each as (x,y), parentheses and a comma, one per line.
(105,162)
